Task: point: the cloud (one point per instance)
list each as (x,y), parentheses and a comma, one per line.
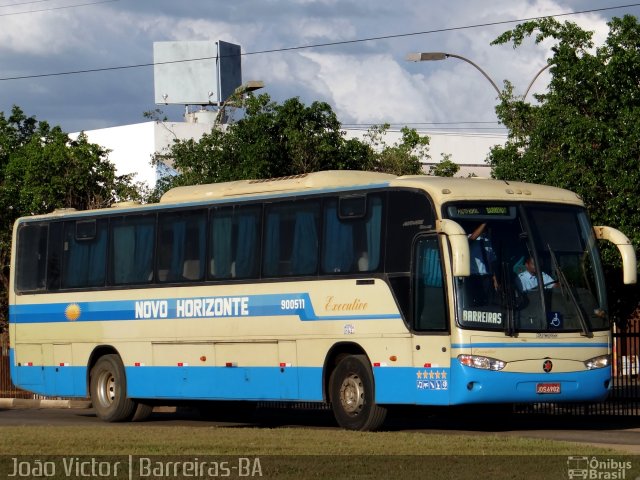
(366,89)
(364,82)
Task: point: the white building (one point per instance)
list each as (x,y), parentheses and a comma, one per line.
(468,150)
(133,146)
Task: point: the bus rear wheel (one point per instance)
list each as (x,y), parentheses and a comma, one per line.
(352,396)
(108,390)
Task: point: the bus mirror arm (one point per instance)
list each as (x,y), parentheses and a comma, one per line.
(627,251)
(459,246)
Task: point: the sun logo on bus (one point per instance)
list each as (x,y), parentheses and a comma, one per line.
(72,312)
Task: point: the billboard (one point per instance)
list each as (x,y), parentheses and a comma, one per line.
(195,72)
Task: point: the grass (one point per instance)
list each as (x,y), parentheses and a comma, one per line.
(161,440)
(285,452)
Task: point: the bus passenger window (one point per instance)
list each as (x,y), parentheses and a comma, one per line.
(291,239)
(84,253)
(32,257)
(181,246)
(132,246)
(352,244)
(234,242)
(409,214)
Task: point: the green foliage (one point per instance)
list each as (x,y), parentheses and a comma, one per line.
(583,135)
(445,168)
(275,140)
(401,158)
(41,169)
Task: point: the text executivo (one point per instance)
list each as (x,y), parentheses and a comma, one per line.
(193,307)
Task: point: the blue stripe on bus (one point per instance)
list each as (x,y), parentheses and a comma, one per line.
(170,308)
(67,381)
(226,383)
(205,383)
(394,385)
(530,345)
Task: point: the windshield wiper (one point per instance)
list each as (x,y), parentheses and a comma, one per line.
(564,284)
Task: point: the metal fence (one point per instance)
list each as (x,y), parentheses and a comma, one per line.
(624,398)
(7,388)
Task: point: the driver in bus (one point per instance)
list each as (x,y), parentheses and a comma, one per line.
(529,277)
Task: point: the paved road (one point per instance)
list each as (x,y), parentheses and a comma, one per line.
(620,433)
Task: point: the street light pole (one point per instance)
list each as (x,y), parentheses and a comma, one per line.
(435,56)
(534,79)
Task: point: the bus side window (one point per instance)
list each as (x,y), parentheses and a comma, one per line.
(291,239)
(31,257)
(352,244)
(55,254)
(84,253)
(234,235)
(181,246)
(338,251)
(409,214)
(132,249)
(430,306)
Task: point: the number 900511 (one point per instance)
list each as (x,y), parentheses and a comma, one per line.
(292,304)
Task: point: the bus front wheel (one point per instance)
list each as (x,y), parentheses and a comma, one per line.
(109,390)
(352,395)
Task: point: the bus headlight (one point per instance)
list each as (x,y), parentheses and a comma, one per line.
(598,362)
(484,363)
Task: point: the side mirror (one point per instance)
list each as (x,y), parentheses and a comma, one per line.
(627,252)
(459,246)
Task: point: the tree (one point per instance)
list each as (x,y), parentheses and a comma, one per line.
(275,140)
(401,158)
(41,169)
(445,168)
(583,135)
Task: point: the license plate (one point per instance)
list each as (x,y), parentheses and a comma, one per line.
(547,388)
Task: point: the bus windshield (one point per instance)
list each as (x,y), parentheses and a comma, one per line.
(534,268)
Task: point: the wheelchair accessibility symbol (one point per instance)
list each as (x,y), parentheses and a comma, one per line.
(554,319)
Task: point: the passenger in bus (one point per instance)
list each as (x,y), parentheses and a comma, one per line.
(482,255)
(483,283)
(528,278)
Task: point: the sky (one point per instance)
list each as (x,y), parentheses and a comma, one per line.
(365,82)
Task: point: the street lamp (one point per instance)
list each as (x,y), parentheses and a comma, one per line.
(435,56)
(237,94)
(246,87)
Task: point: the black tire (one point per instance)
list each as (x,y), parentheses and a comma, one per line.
(352,395)
(108,390)
(142,412)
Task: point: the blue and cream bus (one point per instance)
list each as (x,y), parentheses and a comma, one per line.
(356,289)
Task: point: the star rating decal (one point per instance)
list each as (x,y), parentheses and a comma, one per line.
(432,379)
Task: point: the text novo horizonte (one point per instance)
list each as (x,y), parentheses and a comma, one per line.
(193,307)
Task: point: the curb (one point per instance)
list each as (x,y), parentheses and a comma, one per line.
(8,403)
(27,403)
